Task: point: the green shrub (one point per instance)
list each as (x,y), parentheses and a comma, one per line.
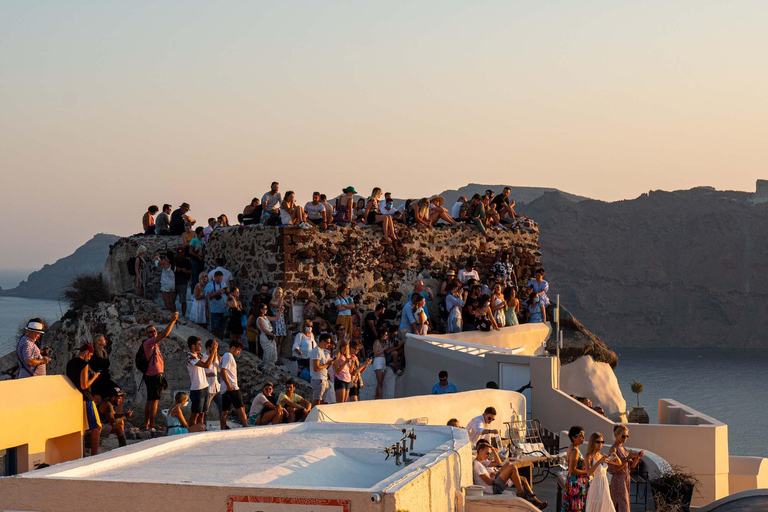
(86,290)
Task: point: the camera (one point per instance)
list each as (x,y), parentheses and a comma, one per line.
(46,351)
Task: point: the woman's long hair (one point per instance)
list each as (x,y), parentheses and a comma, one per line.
(592,447)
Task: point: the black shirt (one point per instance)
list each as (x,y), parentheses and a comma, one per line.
(368,335)
(183,277)
(74,367)
(177,222)
(500,202)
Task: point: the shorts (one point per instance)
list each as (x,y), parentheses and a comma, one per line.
(316,222)
(181,292)
(380,363)
(354,391)
(499,484)
(340,384)
(217,321)
(252,419)
(90,416)
(154,386)
(232,399)
(199,399)
(319,388)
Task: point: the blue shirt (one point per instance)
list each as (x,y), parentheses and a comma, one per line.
(342,301)
(407,318)
(426,301)
(449,388)
(217,304)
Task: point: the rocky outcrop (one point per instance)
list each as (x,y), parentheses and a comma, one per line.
(50,281)
(679,269)
(123,322)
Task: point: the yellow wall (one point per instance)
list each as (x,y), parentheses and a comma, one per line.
(44,417)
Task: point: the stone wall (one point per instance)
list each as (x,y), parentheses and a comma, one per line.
(314,262)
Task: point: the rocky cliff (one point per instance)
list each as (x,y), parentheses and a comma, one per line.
(50,281)
(680,269)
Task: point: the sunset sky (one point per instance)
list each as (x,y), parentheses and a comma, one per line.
(108,107)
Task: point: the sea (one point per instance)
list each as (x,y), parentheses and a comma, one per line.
(728,385)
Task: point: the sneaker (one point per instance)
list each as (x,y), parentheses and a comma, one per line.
(304,225)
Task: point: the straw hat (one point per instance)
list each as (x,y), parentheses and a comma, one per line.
(440,200)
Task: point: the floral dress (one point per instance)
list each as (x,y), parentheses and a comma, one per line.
(620,481)
(575,492)
(278,326)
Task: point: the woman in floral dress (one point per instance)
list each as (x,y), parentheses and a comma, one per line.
(625,461)
(575,491)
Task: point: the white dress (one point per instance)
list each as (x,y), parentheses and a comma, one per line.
(599,494)
(197,313)
(267,344)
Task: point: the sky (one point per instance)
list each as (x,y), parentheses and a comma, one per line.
(107,107)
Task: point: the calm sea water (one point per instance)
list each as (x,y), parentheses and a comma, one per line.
(729,386)
(14,311)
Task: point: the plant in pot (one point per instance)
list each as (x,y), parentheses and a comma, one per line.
(673,490)
(638,414)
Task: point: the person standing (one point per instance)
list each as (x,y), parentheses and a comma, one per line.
(182,272)
(232,397)
(99,363)
(468,272)
(623,463)
(163,221)
(479,427)
(277,305)
(153,378)
(196,255)
(540,286)
(32,360)
(319,364)
(216,293)
(503,270)
(599,494)
(454,303)
(197,366)
(577,481)
(212,375)
(373,326)
(82,377)
(141,271)
(303,344)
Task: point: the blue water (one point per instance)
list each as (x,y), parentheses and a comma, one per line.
(15,311)
(727,385)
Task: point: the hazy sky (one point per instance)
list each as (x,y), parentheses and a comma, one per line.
(107,107)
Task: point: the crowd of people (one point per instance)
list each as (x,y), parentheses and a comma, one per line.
(485,211)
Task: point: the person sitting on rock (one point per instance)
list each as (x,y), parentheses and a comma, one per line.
(437,212)
(270,205)
(315,211)
(491,215)
(163,221)
(476,215)
(456,208)
(177,423)
(148,220)
(265,408)
(328,209)
(113,422)
(345,206)
(373,216)
(291,214)
(297,407)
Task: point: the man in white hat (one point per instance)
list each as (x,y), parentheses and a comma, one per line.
(31,360)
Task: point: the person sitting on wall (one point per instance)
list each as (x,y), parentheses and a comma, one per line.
(497,481)
(148,220)
(479,427)
(296,406)
(179,217)
(265,408)
(599,410)
(163,221)
(252,212)
(291,213)
(316,213)
(113,422)
(443,386)
(270,205)
(82,377)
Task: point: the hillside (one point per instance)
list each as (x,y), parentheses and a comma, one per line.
(50,281)
(519,194)
(668,269)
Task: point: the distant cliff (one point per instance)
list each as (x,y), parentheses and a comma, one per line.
(50,281)
(680,269)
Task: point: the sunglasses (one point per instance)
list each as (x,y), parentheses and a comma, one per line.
(625,436)
(599,442)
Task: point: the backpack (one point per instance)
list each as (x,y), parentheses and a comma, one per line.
(131,263)
(142,363)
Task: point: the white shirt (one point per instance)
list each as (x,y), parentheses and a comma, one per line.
(475,426)
(207,230)
(224,280)
(258,404)
(229,367)
(319,354)
(456,209)
(478,468)
(465,276)
(387,211)
(304,343)
(213,382)
(197,378)
(314,211)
